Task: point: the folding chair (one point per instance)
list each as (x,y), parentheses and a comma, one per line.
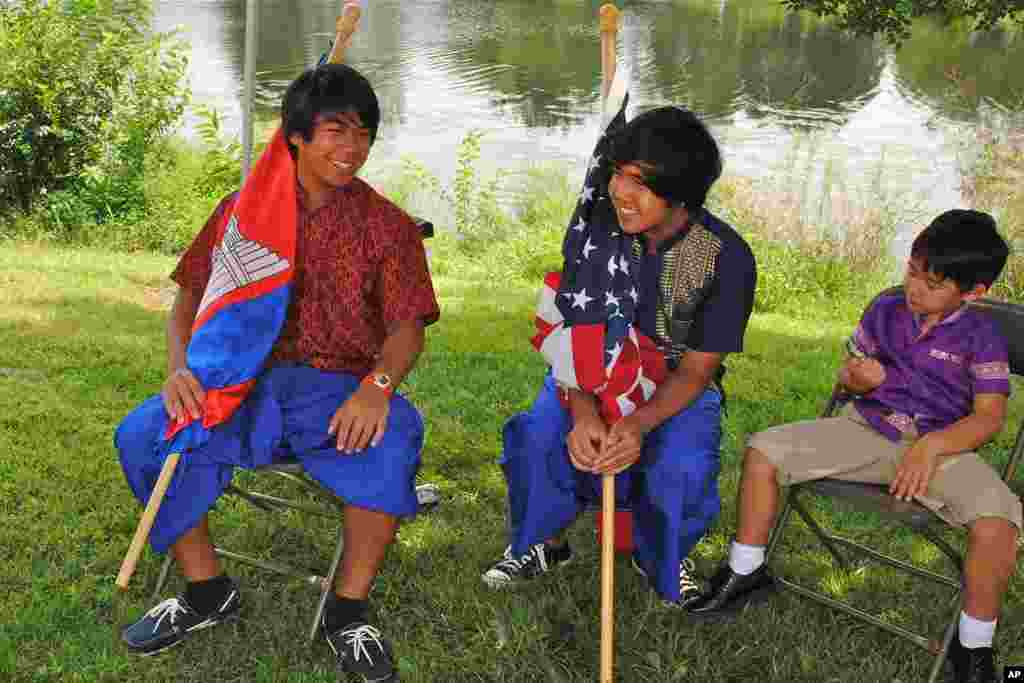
(325,504)
(918,519)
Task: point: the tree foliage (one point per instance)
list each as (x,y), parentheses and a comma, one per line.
(85,90)
(892,18)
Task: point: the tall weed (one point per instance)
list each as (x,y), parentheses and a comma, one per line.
(469,204)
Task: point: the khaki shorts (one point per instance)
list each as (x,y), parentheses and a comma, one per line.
(964,487)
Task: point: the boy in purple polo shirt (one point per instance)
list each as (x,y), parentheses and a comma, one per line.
(929,379)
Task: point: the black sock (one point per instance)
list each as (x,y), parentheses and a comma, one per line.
(206,596)
(340,612)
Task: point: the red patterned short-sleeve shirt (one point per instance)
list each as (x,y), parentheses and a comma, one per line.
(360,267)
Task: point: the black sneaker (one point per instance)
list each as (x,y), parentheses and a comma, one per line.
(168,623)
(539,559)
(729,592)
(971,665)
(689,589)
(362,650)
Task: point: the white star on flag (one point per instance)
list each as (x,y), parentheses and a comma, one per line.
(610,299)
(594,162)
(588,193)
(587,248)
(634,294)
(612,265)
(624,265)
(581,299)
(580,225)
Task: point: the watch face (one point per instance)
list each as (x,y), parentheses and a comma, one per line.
(382,381)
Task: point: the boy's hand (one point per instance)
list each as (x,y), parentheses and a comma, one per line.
(183,395)
(915,471)
(361,420)
(861,375)
(622,447)
(586,440)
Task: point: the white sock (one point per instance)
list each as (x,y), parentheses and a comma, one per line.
(745,559)
(975,632)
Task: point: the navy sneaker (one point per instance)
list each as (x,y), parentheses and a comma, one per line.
(169,622)
(539,559)
(362,650)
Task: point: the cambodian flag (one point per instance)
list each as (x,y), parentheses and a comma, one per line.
(585,313)
(245,302)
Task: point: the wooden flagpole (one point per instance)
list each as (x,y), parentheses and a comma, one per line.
(131,558)
(344,27)
(609,28)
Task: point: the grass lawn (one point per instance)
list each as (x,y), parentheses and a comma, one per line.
(81,343)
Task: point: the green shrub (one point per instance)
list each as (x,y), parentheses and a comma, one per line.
(222,157)
(86,89)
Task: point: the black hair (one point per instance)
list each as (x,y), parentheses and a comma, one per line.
(679,157)
(963,246)
(327,90)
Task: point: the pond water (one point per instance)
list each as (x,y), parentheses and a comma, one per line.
(788,96)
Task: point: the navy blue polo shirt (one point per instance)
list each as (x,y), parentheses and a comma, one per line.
(721,318)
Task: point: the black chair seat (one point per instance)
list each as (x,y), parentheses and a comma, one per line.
(287,463)
(873,498)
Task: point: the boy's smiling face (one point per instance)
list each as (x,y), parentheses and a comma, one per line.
(639,209)
(932,295)
(332,157)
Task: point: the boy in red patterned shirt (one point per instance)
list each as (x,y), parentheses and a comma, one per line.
(361,297)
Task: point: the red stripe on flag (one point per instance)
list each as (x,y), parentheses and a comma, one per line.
(588,355)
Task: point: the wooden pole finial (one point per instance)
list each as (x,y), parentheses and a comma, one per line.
(609,14)
(344,27)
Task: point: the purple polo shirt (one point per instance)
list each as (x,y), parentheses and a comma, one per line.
(930,381)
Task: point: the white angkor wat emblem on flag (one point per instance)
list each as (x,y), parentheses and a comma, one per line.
(237,262)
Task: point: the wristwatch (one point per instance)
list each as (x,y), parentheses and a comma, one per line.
(381,381)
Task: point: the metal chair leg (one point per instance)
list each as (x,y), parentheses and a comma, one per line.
(823,536)
(328,586)
(780,525)
(165,568)
(947,640)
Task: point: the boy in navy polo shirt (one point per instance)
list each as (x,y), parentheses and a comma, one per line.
(929,379)
(693,280)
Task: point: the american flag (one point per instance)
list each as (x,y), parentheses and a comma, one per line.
(585,313)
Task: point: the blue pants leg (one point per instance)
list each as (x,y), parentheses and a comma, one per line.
(672,489)
(381,478)
(288,410)
(196,485)
(541,480)
(675,496)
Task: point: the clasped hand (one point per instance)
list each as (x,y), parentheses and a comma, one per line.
(596,448)
(361,420)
